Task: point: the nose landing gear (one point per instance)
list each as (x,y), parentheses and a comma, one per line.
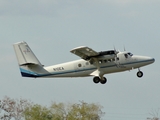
(139,73)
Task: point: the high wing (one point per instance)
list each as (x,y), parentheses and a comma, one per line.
(84,52)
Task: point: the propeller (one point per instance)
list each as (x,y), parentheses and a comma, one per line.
(115,52)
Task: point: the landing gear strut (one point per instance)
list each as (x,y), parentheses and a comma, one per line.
(103,81)
(97,80)
(139,74)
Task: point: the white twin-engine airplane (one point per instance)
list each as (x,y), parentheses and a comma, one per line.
(92,63)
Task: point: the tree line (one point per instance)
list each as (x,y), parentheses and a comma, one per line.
(22,109)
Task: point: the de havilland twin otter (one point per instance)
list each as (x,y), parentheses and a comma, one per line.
(92,63)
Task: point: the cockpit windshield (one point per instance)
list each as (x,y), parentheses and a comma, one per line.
(130,54)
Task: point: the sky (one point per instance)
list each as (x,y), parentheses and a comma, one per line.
(53,27)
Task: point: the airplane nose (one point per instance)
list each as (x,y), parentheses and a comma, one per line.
(145,60)
(148,60)
(151,60)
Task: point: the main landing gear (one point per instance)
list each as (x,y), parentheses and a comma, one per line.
(139,73)
(97,80)
(103,80)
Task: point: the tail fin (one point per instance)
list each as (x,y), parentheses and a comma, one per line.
(25,55)
(29,65)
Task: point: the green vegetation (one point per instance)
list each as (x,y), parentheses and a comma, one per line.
(22,109)
(61,111)
(25,110)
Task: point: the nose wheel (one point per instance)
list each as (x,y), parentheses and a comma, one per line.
(97,80)
(139,74)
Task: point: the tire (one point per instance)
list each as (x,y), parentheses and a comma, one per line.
(96,80)
(103,81)
(139,74)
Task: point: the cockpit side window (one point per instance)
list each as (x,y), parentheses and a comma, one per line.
(126,55)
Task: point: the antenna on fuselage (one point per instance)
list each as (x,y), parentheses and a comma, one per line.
(124,48)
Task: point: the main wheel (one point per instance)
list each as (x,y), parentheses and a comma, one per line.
(139,74)
(96,80)
(103,81)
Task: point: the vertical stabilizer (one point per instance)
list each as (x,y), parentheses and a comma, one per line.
(25,55)
(28,63)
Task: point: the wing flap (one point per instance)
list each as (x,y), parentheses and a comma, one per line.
(84,52)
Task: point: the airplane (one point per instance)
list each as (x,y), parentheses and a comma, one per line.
(92,63)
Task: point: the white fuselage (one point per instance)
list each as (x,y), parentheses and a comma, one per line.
(92,63)
(83,68)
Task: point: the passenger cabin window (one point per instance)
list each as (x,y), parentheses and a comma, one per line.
(109,60)
(105,61)
(100,61)
(79,65)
